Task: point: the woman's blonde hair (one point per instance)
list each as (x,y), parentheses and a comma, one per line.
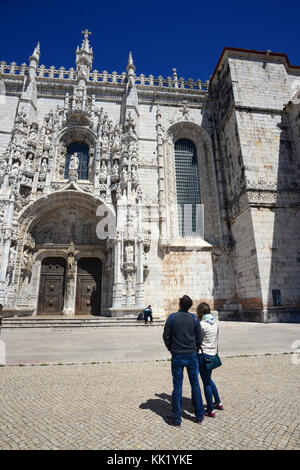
(202,309)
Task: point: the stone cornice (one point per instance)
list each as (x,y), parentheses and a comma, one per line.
(248,109)
(261,197)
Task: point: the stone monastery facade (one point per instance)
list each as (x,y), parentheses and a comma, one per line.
(83,151)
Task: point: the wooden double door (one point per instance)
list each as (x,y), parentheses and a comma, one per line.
(88,291)
(53,285)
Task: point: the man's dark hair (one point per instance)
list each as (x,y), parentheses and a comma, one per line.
(185,303)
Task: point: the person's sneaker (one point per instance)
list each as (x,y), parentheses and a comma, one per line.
(218,406)
(210,414)
(170,421)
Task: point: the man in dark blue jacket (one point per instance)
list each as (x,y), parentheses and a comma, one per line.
(182,337)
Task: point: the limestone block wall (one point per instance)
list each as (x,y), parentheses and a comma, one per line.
(278,253)
(232,162)
(153,277)
(246,270)
(147,122)
(203,275)
(293,115)
(261,81)
(266,243)
(149,182)
(259,135)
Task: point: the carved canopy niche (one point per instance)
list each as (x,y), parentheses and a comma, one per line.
(67,139)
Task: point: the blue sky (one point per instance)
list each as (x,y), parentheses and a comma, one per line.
(189,36)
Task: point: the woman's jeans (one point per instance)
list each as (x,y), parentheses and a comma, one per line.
(210,389)
(179,361)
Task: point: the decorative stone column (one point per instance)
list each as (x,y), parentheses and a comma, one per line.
(161,177)
(71,277)
(35,283)
(118,284)
(140,291)
(6,242)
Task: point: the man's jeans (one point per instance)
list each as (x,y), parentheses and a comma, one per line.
(190,361)
(210,389)
(148,317)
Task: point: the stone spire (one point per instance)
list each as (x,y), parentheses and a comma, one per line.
(130,105)
(34,62)
(28,99)
(130,71)
(84,59)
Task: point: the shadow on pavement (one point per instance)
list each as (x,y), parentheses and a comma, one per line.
(162,406)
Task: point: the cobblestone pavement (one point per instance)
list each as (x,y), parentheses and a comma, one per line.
(122,406)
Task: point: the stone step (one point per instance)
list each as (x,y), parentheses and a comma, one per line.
(75,322)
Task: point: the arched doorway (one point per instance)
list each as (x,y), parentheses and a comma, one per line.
(56,225)
(88,291)
(52,286)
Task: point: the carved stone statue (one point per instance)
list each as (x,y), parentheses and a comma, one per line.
(47,140)
(105,140)
(29,162)
(15,169)
(115,172)
(25,258)
(74,162)
(43,170)
(134,176)
(129,253)
(32,139)
(103,172)
(44,166)
(117,139)
(19,140)
(124,175)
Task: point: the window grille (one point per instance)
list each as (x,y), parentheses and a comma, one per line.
(187,186)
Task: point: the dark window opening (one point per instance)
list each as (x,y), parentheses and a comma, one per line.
(187,186)
(82,151)
(276,298)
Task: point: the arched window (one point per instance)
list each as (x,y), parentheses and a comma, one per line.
(187,187)
(82,151)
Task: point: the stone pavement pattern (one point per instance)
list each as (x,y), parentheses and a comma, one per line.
(123,405)
(34,345)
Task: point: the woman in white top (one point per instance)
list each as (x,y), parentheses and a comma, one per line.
(209,327)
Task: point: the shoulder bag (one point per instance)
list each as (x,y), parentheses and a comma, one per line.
(214,361)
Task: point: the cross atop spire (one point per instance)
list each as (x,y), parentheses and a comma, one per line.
(84,58)
(86,33)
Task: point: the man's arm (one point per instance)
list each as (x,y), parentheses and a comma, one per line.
(167,334)
(199,335)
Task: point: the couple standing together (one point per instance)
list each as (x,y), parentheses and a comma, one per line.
(184,335)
